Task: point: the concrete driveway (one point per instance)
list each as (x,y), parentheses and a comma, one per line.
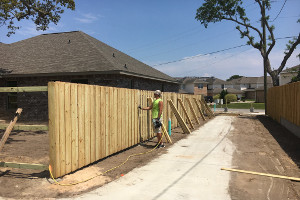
(189,170)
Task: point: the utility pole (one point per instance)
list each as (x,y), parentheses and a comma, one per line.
(263,12)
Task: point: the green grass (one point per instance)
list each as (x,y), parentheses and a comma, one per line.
(242,105)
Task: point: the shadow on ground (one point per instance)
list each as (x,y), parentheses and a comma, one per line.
(289,142)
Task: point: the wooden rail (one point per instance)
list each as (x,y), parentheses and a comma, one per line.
(24,89)
(88,122)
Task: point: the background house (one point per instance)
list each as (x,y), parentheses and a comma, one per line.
(215,83)
(287,74)
(71,57)
(193,85)
(248,87)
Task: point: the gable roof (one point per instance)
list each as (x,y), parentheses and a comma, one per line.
(250,80)
(292,69)
(213,80)
(70,52)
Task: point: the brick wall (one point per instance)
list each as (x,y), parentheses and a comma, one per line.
(202,91)
(35,104)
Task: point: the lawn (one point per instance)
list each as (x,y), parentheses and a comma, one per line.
(242,105)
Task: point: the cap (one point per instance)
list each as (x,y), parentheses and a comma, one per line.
(158,92)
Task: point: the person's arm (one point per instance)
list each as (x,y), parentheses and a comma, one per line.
(147,108)
(160,106)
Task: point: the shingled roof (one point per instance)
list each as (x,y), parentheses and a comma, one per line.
(70,53)
(292,69)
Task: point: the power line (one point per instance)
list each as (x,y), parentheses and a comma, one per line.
(187,45)
(192,57)
(212,63)
(279,11)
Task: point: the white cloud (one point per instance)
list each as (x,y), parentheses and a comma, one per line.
(87,18)
(29,29)
(248,62)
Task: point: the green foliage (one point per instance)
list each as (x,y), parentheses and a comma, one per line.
(42,13)
(296,78)
(230,98)
(234,77)
(223,94)
(217,96)
(217,10)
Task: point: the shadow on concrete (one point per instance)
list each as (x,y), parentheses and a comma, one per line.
(289,142)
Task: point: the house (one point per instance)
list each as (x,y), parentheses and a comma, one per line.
(287,74)
(70,57)
(193,85)
(215,83)
(250,85)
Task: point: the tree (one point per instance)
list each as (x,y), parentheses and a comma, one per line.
(223,94)
(42,13)
(232,10)
(234,77)
(296,78)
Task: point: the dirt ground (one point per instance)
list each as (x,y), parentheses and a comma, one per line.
(32,147)
(262,145)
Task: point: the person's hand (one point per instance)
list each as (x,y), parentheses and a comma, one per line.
(139,107)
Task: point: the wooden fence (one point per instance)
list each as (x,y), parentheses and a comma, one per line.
(284,102)
(88,122)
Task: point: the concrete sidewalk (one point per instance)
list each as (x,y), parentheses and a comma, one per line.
(190,169)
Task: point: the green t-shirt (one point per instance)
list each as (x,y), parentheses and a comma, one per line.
(155,109)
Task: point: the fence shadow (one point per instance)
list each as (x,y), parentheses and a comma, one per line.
(289,142)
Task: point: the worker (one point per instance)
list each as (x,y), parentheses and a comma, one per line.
(157,109)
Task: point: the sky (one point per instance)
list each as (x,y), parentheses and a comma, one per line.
(165,35)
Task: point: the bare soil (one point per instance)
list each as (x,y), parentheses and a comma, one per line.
(32,147)
(262,145)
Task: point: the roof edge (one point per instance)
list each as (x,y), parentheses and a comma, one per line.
(88,73)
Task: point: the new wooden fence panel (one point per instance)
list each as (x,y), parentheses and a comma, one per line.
(88,123)
(283,102)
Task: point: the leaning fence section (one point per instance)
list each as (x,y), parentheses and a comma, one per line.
(88,122)
(284,102)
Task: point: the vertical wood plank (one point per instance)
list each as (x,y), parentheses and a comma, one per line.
(81,129)
(103,121)
(129,118)
(74,126)
(87,125)
(98,123)
(54,128)
(62,133)
(107,121)
(114,120)
(93,123)
(68,148)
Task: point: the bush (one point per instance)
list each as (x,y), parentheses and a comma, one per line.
(216,97)
(230,98)
(223,94)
